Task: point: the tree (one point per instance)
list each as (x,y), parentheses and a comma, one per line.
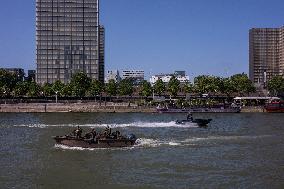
(34,89)
(206,84)
(80,83)
(226,86)
(111,88)
(145,89)
(57,86)
(173,86)
(21,88)
(47,89)
(276,85)
(125,87)
(159,87)
(242,84)
(188,88)
(66,90)
(96,88)
(7,82)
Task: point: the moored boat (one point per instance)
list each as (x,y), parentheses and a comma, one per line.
(275,106)
(199,110)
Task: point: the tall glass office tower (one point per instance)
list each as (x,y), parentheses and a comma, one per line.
(266,54)
(69,39)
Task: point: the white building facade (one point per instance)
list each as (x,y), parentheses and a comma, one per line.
(139,74)
(136,75)
(166,78)
(112,74)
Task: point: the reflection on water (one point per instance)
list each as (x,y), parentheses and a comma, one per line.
(235,151)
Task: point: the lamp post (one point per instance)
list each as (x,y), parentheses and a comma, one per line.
(56,96)
(5,95)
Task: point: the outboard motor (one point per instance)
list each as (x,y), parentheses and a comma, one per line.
(131,137)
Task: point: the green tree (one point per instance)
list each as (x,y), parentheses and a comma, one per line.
(7,82)
(145,89)
(226,86)
(47,89)
(276,85)
(21,88)
(80,84)
(111,88)
(67,90)
(96,88)
(173,86)
(58,86)
(34,89)
(188,87)
(125,87)
(205,84)
(159,87)
(242,84)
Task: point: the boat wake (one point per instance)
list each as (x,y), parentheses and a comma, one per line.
(64,147)
(154,143)
(114,125)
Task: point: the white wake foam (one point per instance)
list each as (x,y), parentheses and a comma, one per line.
(153,143)
(246,137)
(64,147)
(122,125)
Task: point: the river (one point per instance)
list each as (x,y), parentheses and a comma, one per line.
(243,150)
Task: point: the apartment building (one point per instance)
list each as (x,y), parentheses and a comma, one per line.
(69,39)
(266,54)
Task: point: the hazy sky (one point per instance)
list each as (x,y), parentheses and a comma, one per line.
(158,36)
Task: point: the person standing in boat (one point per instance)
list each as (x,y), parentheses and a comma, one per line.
(107,131)
(78,132)
(189,117)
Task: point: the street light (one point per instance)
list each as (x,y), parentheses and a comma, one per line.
(56,96)
(5,95)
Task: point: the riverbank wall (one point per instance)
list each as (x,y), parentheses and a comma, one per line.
(93,107)
(255,109)
(74,107)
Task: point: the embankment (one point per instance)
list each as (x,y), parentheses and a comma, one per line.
(73,107)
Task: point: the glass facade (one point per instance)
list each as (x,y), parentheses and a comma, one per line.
(67,39)
(265,54)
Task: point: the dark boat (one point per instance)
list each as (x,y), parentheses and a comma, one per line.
(99,141)
(276,106)
(198,110)
(199,122)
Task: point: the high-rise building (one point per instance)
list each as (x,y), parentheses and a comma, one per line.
(101,53)
(266,54)
(31,75)
(69,39)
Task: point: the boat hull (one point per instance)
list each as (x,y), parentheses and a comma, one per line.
(275,107)
(199,122)
(199,110)
(101,143)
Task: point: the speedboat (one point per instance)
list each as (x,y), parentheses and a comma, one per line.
(199,122)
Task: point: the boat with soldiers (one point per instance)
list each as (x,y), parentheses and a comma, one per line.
(105,139)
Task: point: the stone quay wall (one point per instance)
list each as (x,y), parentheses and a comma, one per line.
(74,107)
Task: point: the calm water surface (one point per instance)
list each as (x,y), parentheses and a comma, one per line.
(235,151)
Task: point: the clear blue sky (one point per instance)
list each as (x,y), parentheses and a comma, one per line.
(158,36)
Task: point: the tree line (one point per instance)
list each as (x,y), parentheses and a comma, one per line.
(81,86)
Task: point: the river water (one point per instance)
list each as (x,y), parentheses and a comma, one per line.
(236,151)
